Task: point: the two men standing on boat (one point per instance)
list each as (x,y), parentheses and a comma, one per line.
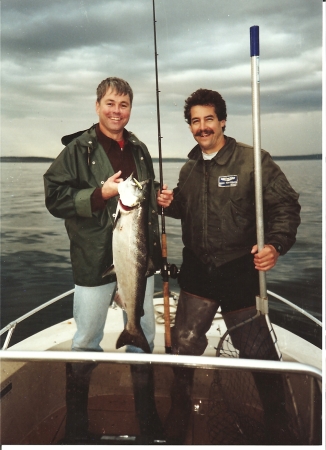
(215,200)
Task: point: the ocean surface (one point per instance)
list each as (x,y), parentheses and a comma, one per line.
(35,263)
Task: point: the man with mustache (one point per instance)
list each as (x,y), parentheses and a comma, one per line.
(215,200)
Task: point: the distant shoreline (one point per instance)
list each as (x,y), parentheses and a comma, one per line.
(35,159)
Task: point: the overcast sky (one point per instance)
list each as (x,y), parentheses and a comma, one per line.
(55,53)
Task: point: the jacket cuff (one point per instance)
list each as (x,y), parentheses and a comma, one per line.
(278,247)
(83,202)
(97,202)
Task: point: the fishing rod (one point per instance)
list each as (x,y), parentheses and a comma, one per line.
(165,266)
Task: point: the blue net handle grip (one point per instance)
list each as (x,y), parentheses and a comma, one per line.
(254,40)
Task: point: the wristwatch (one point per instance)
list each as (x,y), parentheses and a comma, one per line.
(277,247)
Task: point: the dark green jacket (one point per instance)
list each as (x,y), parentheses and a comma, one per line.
(215,201)
(80,168)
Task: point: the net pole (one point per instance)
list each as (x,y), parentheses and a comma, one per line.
(262,299)
(255,90)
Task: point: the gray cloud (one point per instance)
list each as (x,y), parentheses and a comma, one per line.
(55,52)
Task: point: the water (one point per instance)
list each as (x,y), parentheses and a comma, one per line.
(35,263)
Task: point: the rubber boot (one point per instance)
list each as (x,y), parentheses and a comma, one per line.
(254,341)
(150,426)
(77,386)
(177,421)
(193,319)
(271,388)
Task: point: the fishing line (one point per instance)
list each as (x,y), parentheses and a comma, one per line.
(165,267)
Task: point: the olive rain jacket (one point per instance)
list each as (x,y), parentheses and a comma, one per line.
(80,168)
(215,201)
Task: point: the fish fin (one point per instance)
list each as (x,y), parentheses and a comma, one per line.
(116,216)
(150,268)
(109,271)
(118,300)
(136,339)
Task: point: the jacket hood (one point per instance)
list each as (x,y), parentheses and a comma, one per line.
(65,140)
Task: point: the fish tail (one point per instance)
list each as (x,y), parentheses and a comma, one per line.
(136,339)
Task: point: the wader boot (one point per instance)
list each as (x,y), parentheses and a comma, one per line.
(77,386)
(150,427)
(177,421)
(193,319)
(254,341)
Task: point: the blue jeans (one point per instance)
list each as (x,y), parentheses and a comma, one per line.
(91,306)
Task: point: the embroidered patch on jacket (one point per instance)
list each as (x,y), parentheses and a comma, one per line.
(228,181)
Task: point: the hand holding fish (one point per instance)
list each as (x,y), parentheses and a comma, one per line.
(165,197)
(266,258)
(110,187)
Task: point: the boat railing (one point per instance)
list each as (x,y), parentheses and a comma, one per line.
(203,362)
(297,308)
(10,328)
(12,325)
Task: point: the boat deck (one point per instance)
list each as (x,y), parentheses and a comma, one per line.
(112,412)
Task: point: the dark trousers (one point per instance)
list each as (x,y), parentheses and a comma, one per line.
(233,285)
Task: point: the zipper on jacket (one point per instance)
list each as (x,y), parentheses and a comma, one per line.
(206,166)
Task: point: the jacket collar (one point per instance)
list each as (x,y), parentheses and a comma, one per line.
(89,138)
(222,156)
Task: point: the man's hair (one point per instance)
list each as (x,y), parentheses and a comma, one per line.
(117,84)
(206,97)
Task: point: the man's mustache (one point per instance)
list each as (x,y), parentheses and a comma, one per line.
(206,131)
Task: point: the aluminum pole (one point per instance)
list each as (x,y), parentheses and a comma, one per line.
(255,87)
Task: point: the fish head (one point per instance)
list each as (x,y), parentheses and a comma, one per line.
(132,192)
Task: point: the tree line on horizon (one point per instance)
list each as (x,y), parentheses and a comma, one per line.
(316,156)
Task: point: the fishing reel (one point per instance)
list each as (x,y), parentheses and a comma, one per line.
(173,271)
(169,270)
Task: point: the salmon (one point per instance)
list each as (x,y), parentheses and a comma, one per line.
(131,262)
